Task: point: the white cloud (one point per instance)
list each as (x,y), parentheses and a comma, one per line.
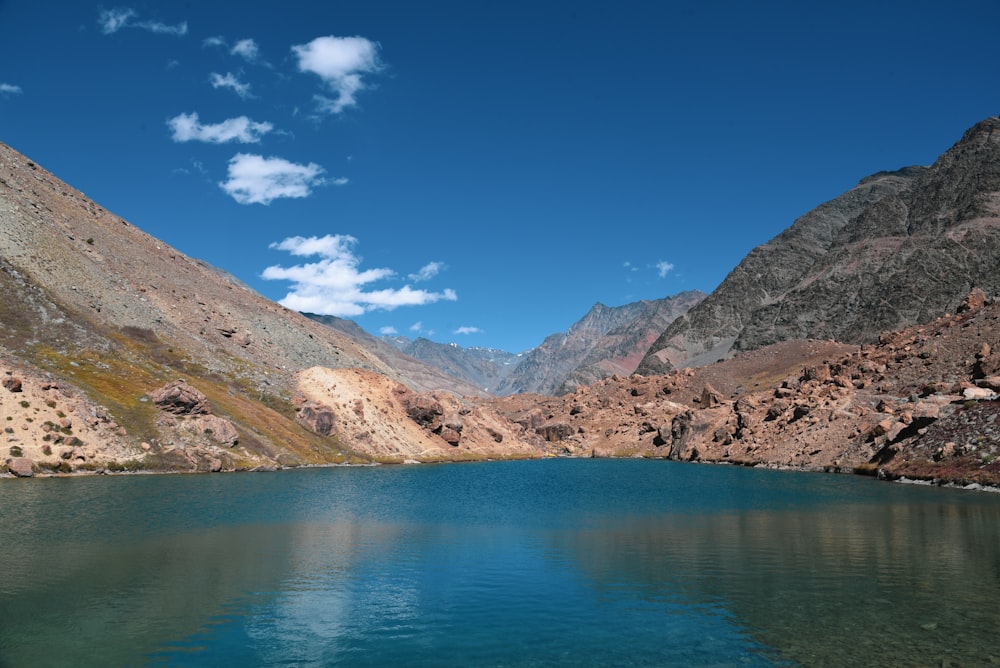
(335,285)
(427,272)
(186,127)
(417,326)
(663,268)
(246,49)
(231,81)
(254,179)
(340,62)
(218,41)
(341,181)
(468,330)
(9,89)
(388,330)
(113,20)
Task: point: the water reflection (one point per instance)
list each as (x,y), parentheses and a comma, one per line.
(531,563)
(900,584)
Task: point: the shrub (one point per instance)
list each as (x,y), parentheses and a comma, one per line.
(16,451)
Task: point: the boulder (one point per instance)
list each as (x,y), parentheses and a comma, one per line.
(555,431)
(451,436)
(22,467)
(219,430)
(318,418)
(180,398)
(12,383)
(974,300)
(424,410)
(711,397)
(978,394)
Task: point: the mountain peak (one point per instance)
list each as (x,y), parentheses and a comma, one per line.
(900,249)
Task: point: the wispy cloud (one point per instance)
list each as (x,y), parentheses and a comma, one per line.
(187,127)
(427,272)
(230,81)
(7,89)
(340,62)
(246,49)
(388,330)
(113,20)
(336,285)
(663,268)
(417,329)
(468,330)
(254,179)
(216,41)
(341,181)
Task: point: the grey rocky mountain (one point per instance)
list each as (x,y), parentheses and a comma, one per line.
(604,342)
(901,248)
(483,367)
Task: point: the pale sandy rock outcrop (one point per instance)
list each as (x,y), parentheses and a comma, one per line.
(377,417)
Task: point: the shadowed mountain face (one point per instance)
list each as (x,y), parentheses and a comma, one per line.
(900,248)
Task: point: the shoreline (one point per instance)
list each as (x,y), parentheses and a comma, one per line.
(880,476)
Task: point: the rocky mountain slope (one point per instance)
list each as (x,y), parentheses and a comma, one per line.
(901,248)
(97,322)
(921,403)
(605,341)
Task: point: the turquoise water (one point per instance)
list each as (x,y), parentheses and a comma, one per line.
(543,563)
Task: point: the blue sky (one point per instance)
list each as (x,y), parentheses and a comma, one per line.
(483,173)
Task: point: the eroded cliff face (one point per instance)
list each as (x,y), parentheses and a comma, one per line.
(899,249)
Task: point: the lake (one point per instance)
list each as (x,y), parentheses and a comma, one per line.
(533,563)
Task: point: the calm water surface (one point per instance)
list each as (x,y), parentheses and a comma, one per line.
(544,563)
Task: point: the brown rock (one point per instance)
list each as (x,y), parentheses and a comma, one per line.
(318,418)
(820,373)
(180,398)
(711,397)
(22,467)
(451,436)
(974,300)
(556,431)
(424,410)
(12,383)
(219,429)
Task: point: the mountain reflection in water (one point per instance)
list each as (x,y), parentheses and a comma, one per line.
(570,562)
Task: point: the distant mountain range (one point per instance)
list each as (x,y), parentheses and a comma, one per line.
(607,341)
